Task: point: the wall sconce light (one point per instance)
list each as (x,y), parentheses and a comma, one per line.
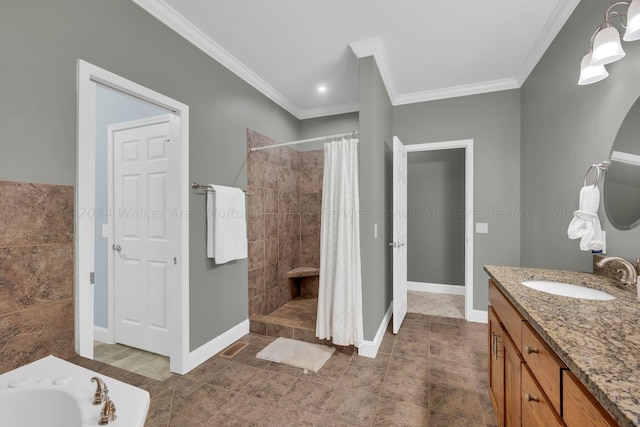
(605,46)
(591,73)
(632,33)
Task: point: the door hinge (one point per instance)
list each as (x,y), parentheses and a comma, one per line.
(175,261)
(92,278)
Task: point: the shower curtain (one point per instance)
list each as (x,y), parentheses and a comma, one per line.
(340,291)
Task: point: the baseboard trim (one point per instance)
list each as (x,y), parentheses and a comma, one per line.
(478,316)
(216,345)
(435,288)
(370,348)
(103,335)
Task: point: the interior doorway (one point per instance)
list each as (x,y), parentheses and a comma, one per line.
(436,232)
(458,153)
(144,217)
(402,246)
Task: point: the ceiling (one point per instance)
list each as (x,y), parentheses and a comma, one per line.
(425,49)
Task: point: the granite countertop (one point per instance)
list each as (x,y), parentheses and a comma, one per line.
(598,340)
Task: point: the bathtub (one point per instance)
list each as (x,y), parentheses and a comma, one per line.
(55,393)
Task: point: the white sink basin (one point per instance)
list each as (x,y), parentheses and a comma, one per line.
(567,290)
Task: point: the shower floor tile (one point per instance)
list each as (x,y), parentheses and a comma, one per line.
(299,313)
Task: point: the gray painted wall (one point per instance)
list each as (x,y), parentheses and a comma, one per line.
(375,196)
(39,124)
(492,120)
(565,128)
(435,221)
(322,126)
(111,107)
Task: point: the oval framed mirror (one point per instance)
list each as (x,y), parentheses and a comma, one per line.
(622,180)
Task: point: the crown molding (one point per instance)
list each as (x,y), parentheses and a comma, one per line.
(313,113)
(456,91)
(178,23)
(370,47)
(559,17)
(374,47)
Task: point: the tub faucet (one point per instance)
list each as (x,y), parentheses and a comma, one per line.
(102,392)
(108,413)
(628,277)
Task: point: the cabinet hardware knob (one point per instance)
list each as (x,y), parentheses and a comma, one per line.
(530,350)
(530,398)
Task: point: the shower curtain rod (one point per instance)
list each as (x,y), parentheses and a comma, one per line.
(302,141)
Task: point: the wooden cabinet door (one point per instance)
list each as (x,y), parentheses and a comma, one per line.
(512,380)
(537,411)
(496,367)
(579,407)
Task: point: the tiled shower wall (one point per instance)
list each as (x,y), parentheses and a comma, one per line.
(283,219)
(36,272)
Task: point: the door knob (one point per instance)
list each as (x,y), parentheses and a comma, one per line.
(116,248)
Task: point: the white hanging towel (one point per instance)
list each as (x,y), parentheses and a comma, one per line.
(226,224)
(585,224)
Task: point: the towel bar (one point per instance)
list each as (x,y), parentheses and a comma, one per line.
(205,188)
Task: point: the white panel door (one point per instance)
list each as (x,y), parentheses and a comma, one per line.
(399,233)
(145,197)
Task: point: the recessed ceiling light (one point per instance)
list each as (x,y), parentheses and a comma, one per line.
(322,89)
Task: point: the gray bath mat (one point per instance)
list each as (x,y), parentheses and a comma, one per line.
(298,354)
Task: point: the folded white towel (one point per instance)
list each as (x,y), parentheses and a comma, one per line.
(585,224)
(226,224)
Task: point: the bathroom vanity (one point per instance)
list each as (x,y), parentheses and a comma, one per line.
(556,360)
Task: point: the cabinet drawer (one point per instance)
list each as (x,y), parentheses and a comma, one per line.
(507,314)
(536,409)
(579,407)
(544,364)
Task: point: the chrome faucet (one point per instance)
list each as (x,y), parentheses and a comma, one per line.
(102,392)
(628,277)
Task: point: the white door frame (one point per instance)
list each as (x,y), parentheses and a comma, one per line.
(467,144)
(88,76)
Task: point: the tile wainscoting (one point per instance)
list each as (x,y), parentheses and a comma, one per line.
(36,272)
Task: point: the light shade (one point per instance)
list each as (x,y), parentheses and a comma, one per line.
(607,47)
(633,22)
(591,73)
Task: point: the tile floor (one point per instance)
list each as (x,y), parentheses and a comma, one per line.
(433,373)
(436,304)
(133,360)
(300,313)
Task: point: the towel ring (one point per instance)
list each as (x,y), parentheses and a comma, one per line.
(586,175)
(598,167)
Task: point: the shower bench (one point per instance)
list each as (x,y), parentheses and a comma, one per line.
(304,282)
